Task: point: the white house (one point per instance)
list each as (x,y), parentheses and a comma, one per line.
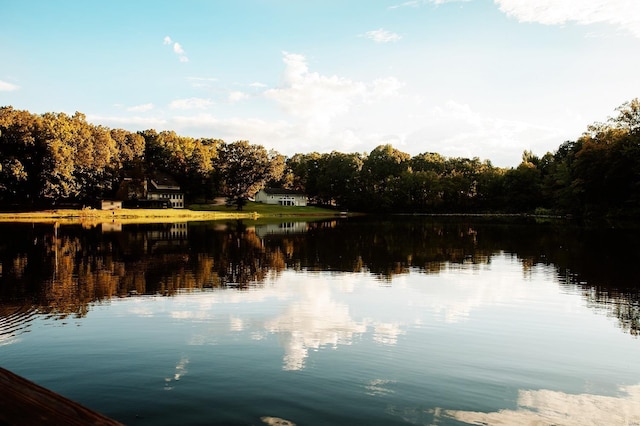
(283,197)
(110,205)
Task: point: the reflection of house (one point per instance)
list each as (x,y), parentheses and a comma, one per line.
(167,238)
(173,231)
(283,197)
(281,228)
(111,227)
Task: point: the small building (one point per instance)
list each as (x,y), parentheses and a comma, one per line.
(110,205)
(283,197)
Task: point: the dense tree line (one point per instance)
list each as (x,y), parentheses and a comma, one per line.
(51,159)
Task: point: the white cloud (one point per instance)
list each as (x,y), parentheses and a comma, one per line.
(177,48)
(258,85)
(621,13)
(477,134)
(141,108)
(316,98)
(256,130)
(385,87)
(237,96)
(312,96)
(191,103)
(382,36)
(202,82)
(7,87)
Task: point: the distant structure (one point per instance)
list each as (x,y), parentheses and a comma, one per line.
(157,191)
(283,197)
(164,187)
(110,205)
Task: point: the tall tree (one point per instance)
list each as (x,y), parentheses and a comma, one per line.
(245,169)
(19,156)
(381,176)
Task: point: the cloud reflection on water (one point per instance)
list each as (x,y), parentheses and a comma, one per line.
(314,321)
(311,311)
(547,407)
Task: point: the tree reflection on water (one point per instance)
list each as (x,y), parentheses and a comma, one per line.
(62,270)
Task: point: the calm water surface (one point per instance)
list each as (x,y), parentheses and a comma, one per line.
(360,321)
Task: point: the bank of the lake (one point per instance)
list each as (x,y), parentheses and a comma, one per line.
(200,212)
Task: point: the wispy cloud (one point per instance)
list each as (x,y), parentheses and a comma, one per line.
(622,13)
(7,87)
(382,36)
(257,84)
(202,82)
(236,96)
(177,48)
(141,108)
(191,103)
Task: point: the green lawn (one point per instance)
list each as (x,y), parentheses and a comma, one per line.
(268,209)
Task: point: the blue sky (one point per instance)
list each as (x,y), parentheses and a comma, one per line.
(474,78)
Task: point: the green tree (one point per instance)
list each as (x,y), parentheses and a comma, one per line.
(381,172)
(245,168)
(19,156)
(338,179)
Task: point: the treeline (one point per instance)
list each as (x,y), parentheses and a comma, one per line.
(53,159)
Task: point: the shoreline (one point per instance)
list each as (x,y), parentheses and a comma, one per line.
(93,216)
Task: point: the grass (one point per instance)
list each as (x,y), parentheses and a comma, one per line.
(93,216)
(196,212)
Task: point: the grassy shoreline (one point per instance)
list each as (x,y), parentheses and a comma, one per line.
(121,216)
(202,212)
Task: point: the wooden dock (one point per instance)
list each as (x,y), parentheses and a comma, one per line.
(23,402)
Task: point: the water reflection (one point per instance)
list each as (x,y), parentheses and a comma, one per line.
(61,270)
(547,407)
(14,320)
(313,321)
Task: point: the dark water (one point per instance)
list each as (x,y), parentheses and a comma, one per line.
(360,321)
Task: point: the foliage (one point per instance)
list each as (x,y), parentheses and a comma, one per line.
(52,159)
(245,168)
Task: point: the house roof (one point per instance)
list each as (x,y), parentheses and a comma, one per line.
(282,191)
(164,179)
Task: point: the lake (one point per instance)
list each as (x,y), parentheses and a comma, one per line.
(372,321)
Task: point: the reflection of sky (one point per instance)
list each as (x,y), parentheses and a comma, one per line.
(313,321)
(465,339)
(546,407)
(309,311)
(313,311)
(180,370)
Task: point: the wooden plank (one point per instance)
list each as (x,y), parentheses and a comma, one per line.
(23,402)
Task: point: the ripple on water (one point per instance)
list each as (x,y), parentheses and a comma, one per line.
(14,320)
